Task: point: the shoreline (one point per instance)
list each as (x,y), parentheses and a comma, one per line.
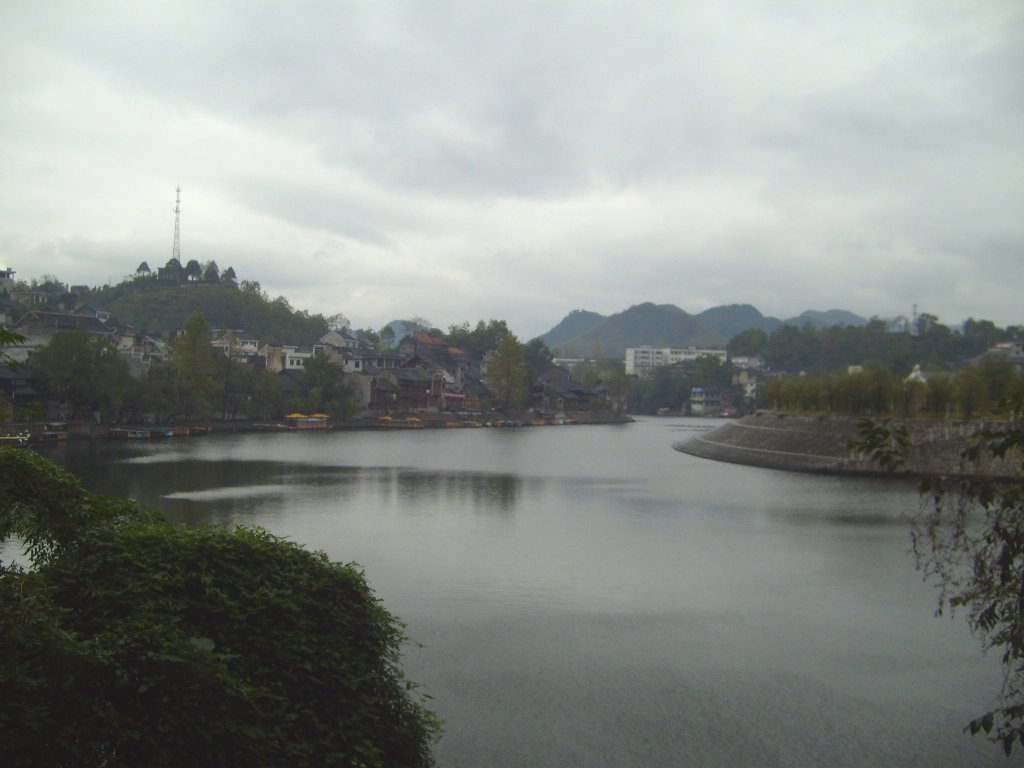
(819,443)
(36,433)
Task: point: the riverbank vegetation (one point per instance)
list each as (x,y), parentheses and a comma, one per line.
(971,392)
(134,642)
(927,343)
(90,380)
(968,539)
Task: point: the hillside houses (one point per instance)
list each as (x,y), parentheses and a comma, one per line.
(425,373)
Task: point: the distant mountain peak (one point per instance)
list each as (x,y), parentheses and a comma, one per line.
(585,333)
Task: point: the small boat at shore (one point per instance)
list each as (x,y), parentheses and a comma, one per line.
(187,430)
(56,431)
(312,421)
(409,422)
(140,433)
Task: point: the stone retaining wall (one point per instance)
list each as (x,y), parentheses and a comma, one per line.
(820,443)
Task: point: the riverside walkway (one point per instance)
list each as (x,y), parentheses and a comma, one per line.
(821,443)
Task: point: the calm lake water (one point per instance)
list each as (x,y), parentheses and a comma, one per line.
(586,596)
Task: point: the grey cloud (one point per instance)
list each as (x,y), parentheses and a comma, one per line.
(544,156)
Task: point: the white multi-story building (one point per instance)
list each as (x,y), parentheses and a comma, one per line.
(641,361)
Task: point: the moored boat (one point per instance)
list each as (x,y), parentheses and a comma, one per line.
(312,421)
(140,433)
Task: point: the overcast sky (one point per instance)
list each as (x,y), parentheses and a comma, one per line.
(517,160)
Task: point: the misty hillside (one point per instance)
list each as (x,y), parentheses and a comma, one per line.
(151,306)
(576,323)
(658,325)
(826,319)
(732,319)
(589,334)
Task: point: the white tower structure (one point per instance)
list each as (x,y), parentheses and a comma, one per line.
(177,226)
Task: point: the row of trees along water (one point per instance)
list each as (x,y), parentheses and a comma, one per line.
(809,369)
(954,376)
(971,392)
(927,343)
(196,383)
(86,374)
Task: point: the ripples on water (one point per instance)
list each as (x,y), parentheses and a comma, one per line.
(588,596)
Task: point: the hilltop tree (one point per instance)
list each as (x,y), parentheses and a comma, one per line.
(211,272)
(193,270)
(229,276)
(142,269)
(173,271)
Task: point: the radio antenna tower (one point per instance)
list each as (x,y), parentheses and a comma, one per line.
(177,226)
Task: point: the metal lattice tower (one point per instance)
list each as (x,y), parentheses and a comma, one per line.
(177,226)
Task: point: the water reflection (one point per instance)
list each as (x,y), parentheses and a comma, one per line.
(481,494)
(589,596)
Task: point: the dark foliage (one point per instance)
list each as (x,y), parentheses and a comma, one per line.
(152,306)
(140,643)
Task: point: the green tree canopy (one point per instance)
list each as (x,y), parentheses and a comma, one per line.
(192,359)
(84,372)
(484,337)
(324,389)
(193,270)
(135,642)
(538,357)
(508,374)
(751,342)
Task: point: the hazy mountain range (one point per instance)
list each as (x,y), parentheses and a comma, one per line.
(587,334)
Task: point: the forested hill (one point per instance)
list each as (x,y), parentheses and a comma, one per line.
(658,325)
(152,306)
(583,333)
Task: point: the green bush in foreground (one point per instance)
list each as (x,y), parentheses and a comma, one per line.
(138,643)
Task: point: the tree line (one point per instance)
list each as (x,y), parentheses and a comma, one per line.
(971,392)
(195,383)
(929,343)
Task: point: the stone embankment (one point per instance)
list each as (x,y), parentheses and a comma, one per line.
(821,443)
